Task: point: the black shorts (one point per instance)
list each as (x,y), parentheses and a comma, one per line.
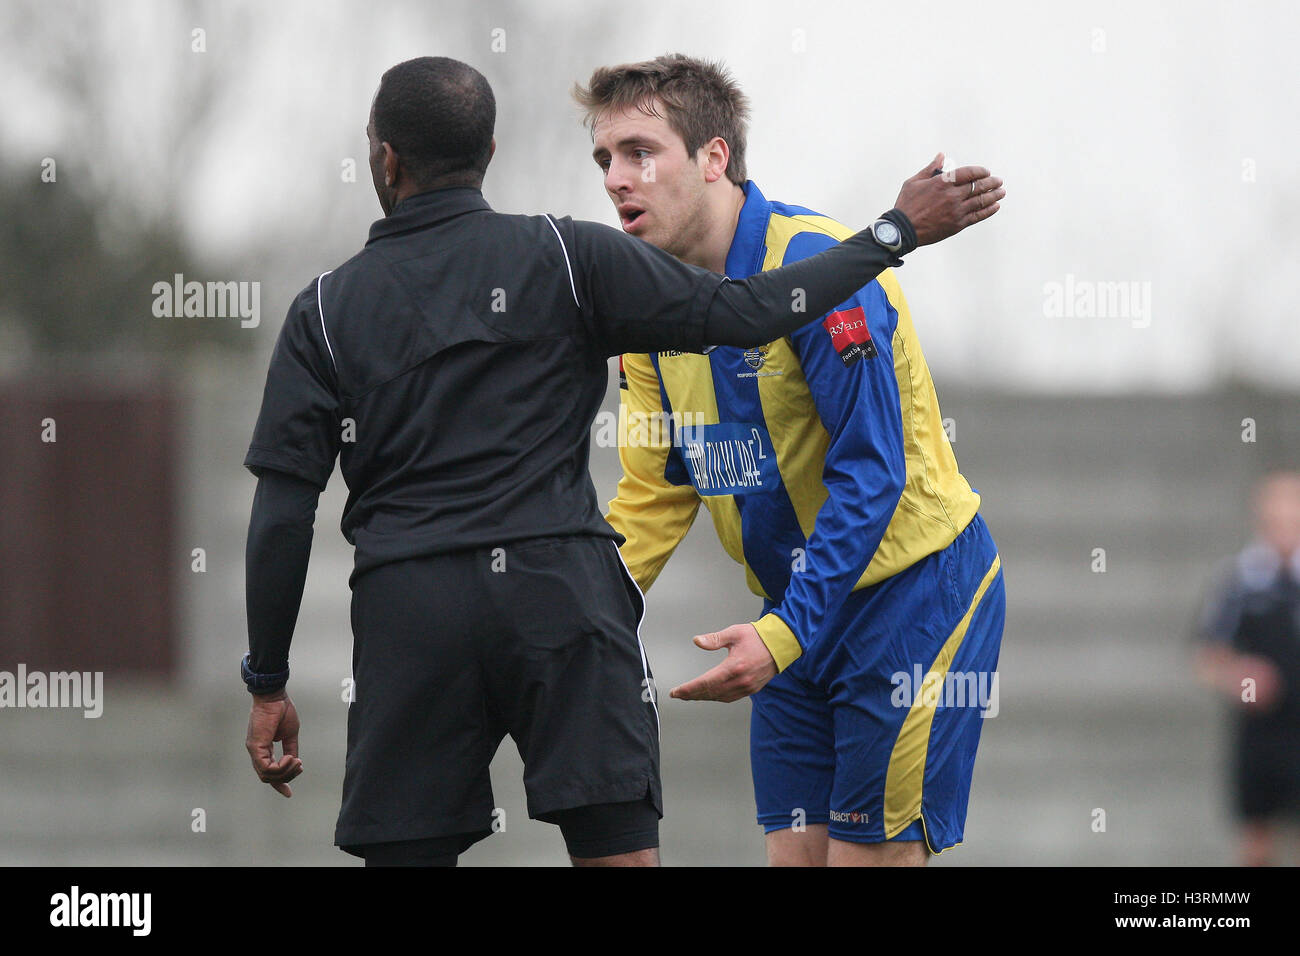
(536,639)
(1266,777)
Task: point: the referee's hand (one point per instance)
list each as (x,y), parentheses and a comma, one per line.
(940,204)
(748,667)
(272,719)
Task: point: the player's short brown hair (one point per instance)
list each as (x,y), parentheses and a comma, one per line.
(700,100)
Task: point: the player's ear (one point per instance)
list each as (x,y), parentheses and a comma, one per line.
(714,156)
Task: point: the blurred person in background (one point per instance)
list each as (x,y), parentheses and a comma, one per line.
(823,462)
(1250,652)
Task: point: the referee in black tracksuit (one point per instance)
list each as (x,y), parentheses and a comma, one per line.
(454,366)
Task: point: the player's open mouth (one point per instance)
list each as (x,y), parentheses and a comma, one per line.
(629,216)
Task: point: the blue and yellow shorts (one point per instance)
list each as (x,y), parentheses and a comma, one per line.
(874,730)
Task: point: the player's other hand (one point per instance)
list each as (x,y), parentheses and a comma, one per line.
(1260,675)
(942,204)
(1252,681)
(272,719)
(748,667)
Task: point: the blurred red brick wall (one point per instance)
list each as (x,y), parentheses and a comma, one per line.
(88,557)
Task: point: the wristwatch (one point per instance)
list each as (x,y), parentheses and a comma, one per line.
(887,235)
(261,683)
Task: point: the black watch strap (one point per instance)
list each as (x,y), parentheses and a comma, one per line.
(261,683)
(899,219)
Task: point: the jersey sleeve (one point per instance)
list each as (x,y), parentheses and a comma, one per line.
(635,297)
(276,555)
(1221,611)
(650,512)
(848,362)
(641,299)
(298,427)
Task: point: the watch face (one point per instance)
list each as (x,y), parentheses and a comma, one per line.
(887,233)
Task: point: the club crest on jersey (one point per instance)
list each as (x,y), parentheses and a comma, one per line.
(758,361)
(849,335)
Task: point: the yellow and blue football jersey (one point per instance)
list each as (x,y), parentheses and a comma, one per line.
(821,457)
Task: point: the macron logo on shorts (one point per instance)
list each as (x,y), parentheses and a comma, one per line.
(853,816)
(849,335)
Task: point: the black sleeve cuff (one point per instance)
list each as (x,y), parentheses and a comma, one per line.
(260,460)
(262,683)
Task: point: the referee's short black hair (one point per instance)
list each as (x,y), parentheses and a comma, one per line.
(438,115)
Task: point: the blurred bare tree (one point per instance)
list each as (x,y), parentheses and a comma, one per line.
(89,200)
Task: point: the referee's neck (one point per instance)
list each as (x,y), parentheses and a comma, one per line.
(410,190)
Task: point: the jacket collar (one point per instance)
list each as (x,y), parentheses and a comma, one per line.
(749,245)
(427,209)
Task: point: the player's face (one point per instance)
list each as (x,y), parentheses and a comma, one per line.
(656,187)
(1278,512)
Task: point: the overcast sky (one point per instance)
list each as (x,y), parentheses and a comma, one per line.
(1149,149)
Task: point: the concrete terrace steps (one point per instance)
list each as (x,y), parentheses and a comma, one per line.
(76,796)
(1099,708)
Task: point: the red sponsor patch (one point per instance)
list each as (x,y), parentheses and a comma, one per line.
(849,335)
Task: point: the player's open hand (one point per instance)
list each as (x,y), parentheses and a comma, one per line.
(272,719)
(748,667)
(942,204)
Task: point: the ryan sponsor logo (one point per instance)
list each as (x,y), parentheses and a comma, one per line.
(849,335)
